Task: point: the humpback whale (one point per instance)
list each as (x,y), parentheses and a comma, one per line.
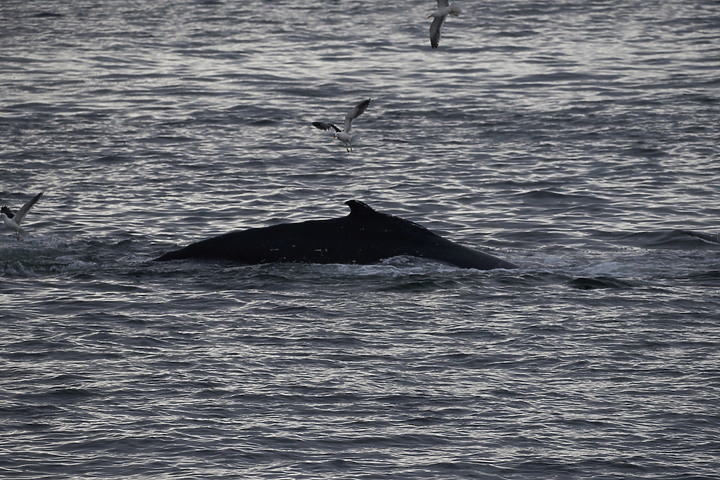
(364,236)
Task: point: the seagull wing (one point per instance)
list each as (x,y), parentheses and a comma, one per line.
(435,27)
(25,208)
(325,126)
(355,112)
(443,3)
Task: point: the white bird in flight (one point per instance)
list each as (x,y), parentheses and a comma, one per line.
(344,135)
(12,220)
(444,8)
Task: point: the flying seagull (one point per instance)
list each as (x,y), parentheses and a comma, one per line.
(444,8)
(12,220)
(344,135)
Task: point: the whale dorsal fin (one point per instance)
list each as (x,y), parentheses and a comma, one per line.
(359,208)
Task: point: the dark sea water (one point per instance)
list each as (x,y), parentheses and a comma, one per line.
(577,139)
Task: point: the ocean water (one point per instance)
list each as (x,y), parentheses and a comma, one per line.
(577,139)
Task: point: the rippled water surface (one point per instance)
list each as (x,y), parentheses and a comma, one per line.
(578,140)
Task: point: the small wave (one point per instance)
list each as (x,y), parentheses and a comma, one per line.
(592,283)
(43,255)
(551,196)
(46,15)
(710,277)
(673,239)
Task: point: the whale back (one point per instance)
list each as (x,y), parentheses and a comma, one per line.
(364,236)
